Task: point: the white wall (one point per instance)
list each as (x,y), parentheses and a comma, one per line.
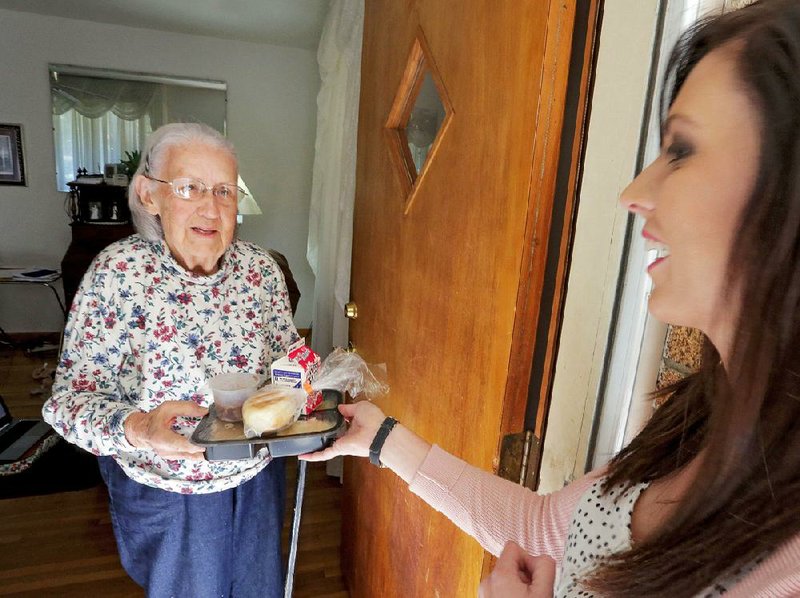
(193,104)
(271,120)
(618,100)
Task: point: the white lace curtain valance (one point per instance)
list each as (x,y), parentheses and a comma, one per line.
(92,97)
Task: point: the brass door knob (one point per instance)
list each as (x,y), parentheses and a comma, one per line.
(351,311)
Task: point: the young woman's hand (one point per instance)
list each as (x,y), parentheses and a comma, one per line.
(365,419)
(519,575)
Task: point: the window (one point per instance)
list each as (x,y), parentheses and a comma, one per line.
(99,115)
(89,143)
(637,338)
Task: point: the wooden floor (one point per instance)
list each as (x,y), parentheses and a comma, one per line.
(62,544)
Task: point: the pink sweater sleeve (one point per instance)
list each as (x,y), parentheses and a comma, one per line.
(778,575)
(493,510)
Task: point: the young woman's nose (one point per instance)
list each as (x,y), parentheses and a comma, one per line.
(639,196)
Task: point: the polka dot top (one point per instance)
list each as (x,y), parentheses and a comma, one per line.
(602,526)
(493,511)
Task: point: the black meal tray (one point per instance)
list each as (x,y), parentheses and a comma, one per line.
(226,440)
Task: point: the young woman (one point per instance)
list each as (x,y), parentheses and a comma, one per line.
(704,500)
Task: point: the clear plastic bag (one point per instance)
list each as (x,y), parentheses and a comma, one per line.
(348,372)
(276,407)
(272,409)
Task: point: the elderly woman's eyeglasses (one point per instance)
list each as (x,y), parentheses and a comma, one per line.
(194,189)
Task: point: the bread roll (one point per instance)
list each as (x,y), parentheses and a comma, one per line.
(271,409)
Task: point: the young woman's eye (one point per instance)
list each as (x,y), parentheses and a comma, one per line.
(678,151)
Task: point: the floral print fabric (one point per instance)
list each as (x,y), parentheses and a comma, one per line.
(143,330)
(23,464)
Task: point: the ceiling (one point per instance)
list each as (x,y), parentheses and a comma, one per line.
(296,23)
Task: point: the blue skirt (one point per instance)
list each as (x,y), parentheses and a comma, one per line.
(219,545)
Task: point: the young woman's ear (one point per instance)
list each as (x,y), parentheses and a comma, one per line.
(143,187)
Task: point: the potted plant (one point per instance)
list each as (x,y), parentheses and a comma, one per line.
(131,162)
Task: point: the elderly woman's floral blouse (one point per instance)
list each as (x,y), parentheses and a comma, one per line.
(143,330)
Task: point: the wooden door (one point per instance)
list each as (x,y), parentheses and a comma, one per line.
(443,274)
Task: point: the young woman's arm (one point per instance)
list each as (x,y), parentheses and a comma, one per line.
(488,508)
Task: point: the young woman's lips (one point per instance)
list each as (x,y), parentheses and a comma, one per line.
(657,250)
(656,263)
(650,237)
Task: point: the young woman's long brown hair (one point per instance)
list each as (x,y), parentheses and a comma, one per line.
(746,417)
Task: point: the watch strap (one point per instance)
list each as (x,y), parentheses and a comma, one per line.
(380,438)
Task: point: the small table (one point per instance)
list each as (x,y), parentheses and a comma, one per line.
(7,277)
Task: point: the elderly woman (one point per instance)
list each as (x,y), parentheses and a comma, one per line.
(157,315)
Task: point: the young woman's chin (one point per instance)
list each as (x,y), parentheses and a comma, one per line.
(665,309)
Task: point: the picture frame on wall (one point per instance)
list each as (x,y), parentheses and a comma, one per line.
(12,162)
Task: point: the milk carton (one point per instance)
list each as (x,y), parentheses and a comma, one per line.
(297,370)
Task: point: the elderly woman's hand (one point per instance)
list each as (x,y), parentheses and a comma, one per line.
(153,430)
(519,575)
(365,419)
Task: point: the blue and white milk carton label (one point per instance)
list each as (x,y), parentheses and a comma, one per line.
(287,373)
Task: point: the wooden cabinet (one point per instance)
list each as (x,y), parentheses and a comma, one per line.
(88,239)
(100,216)
(99,202)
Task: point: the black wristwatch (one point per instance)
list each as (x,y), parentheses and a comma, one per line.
(380,438)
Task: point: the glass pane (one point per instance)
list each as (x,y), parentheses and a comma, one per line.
(425,121)
(100,114)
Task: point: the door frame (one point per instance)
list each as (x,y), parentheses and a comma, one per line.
(540,301)
(618,100)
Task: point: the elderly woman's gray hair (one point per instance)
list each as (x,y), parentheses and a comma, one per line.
(153,158)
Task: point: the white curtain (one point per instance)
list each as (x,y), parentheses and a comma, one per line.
(93,97)
(330,228)
(96,119)
(89,143)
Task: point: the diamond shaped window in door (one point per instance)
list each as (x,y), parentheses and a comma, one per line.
(424,122)
(418,120)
